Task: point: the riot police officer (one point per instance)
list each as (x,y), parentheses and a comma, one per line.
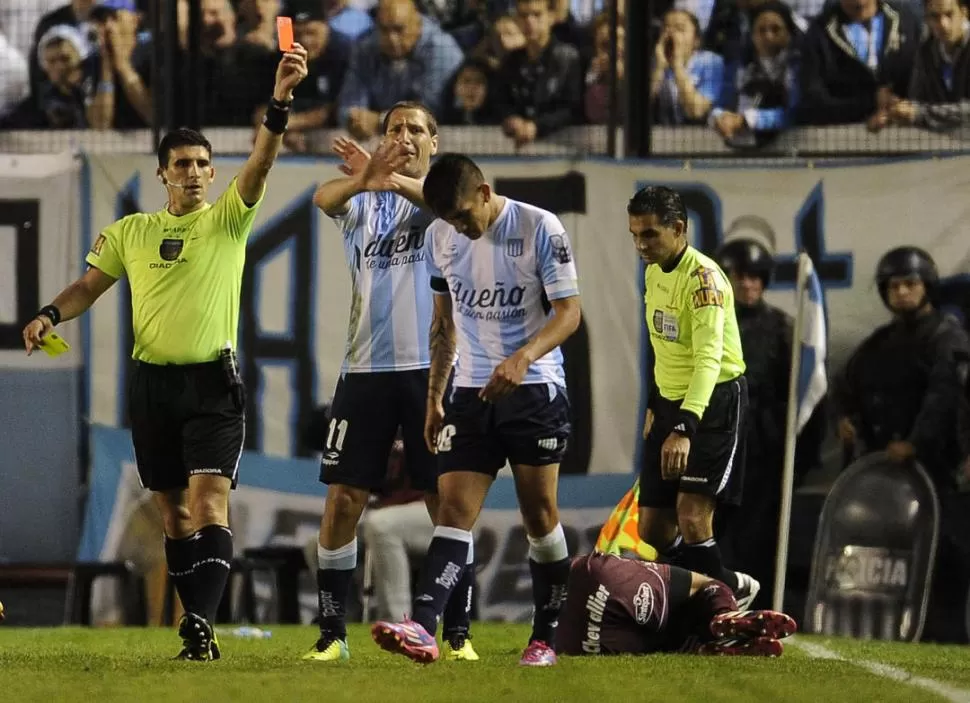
(750,535)
(900,390)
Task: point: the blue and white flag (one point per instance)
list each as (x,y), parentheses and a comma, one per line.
(812,381)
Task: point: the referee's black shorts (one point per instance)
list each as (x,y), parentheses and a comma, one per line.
(715,465)
(185,420)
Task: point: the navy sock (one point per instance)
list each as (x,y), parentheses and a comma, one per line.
(334,578)
(549,565)
(180,558)
(213,559)
(441,574)
(705,558)
(458,610)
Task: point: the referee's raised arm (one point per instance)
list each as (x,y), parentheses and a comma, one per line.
(252,177)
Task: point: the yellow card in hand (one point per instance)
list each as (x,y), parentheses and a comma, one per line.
(54,345)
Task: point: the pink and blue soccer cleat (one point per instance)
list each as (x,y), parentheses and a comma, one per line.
(408,638)
(538,653)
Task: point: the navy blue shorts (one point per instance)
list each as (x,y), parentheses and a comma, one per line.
(367,410)
(528,427)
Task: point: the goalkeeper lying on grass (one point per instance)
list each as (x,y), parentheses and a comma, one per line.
(626,606)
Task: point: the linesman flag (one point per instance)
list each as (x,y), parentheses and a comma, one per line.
(812,382)
(620,535)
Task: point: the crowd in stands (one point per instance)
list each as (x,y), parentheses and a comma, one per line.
(746,68)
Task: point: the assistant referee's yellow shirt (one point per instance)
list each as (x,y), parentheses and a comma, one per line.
(185,274)
(693,329)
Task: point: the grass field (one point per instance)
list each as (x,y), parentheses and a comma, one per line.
(134,665)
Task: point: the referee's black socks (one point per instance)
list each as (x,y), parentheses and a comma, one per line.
(705,558)
(213,559)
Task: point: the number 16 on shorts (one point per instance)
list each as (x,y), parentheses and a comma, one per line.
(444,438)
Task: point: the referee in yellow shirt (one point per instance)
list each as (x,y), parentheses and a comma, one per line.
(698,398)
(185,266)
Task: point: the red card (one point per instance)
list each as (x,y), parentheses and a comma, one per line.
(284,29)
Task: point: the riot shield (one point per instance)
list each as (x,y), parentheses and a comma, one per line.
(874,552)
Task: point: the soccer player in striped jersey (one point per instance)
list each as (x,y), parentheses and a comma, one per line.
(506,298)
(384,378)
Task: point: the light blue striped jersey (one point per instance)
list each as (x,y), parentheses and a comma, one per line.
(499,287)
(387,253)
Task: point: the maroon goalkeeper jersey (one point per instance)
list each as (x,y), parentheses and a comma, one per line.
(617,606)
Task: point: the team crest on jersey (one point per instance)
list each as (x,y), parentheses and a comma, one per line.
(514,247)
(98,245)
(170,249)
(560,249)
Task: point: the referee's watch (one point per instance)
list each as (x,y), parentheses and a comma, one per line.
(686,425)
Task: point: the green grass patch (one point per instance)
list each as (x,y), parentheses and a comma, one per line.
(130,664)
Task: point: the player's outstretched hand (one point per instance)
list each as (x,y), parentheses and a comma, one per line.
(673,456)
(291,70)
(434,418)
(355,157)
(36,330)
(506,377)
(388,158)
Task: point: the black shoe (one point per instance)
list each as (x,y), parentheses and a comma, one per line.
(197,639)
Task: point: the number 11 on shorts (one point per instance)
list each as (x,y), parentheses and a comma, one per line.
(340,430)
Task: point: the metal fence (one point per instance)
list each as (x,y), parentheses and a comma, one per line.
(505,77)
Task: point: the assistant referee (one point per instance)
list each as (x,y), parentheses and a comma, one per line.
(694,430)
(185,266)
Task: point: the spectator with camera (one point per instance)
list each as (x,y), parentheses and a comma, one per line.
(408,57)
(538,88)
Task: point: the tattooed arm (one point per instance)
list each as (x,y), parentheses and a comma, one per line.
(443,346)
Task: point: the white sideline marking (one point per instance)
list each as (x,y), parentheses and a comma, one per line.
(950,693)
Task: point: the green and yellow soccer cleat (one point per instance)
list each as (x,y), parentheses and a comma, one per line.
(460,648)
(328,649)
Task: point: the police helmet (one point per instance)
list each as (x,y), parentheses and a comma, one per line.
(907,261)
(746,256)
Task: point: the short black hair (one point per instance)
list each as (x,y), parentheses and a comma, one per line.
(451,176)
(411,105)
(661,201)
(183,136)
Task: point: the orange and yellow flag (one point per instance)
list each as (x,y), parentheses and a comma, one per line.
(619,534)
